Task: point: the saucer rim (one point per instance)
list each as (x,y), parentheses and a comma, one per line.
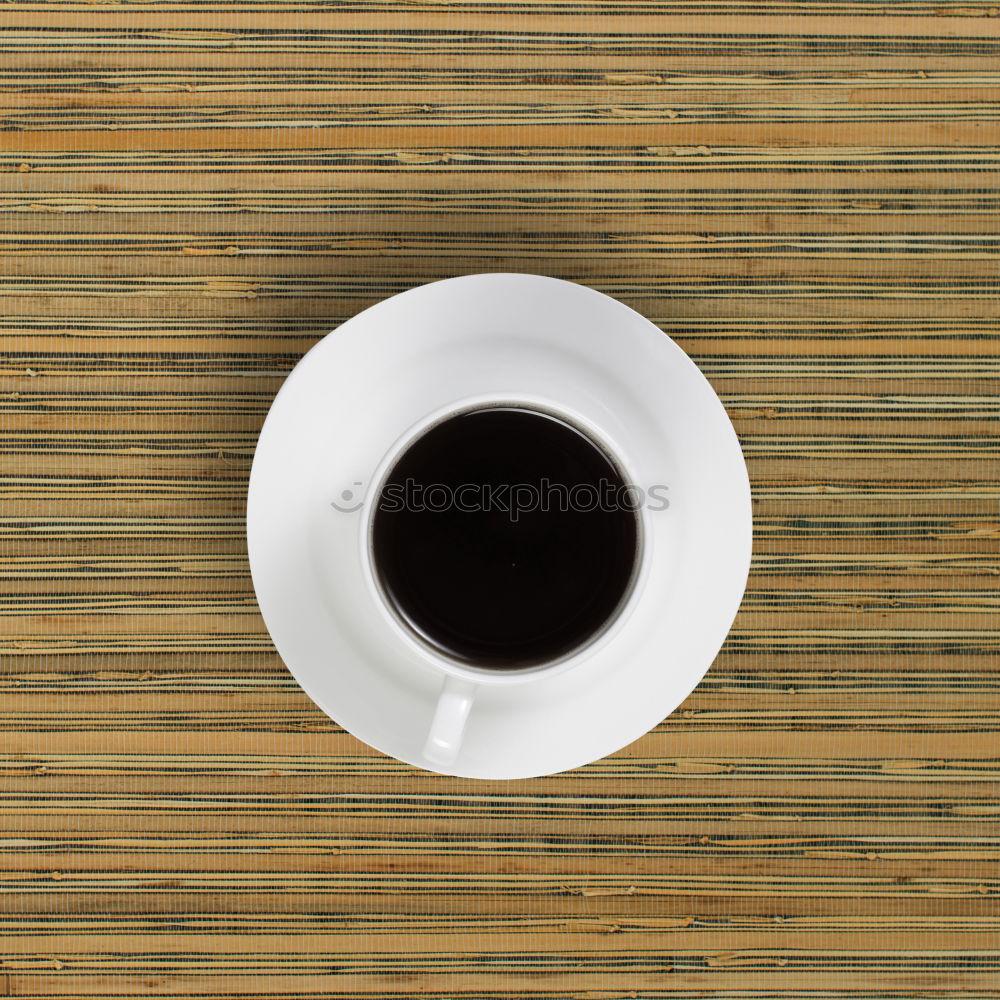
(726,604)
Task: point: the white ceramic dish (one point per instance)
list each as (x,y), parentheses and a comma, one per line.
(363,390)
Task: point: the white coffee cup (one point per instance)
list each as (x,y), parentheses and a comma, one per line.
(460,681)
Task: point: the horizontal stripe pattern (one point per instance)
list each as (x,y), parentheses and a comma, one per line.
(802,193)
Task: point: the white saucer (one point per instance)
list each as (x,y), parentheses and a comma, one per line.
(496,337)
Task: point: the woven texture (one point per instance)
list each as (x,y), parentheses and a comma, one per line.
(804,195)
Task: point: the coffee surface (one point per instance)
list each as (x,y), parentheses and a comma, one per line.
(504,538)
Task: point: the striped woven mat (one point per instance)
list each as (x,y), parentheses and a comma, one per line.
(803,194)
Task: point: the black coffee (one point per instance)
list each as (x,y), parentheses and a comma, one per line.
(504,537)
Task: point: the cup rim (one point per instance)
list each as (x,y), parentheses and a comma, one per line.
(492,675)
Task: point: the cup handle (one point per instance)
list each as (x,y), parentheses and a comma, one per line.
(448,726)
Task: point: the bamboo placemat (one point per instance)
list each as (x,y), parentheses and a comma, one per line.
(803,194)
